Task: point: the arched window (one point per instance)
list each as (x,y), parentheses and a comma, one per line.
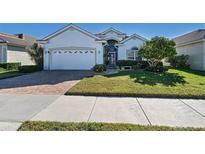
(132,54)
(134,48)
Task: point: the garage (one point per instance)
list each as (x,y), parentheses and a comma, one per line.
(72,59)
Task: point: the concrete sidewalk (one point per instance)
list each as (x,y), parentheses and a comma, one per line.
(146,111)
(14,109)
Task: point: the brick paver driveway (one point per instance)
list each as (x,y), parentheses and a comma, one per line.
(45,82)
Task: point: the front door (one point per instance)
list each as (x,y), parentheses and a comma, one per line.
(112,59)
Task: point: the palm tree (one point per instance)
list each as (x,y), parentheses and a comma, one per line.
(36,54)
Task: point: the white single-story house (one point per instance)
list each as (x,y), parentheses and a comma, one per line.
(193,44)
(73,48)
(13,48)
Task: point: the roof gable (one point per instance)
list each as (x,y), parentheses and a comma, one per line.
(112,30)
(134,36)
(70,26)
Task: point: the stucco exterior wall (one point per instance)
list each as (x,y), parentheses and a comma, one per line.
(19,56)
(72,38)
(196,54)
(122,50)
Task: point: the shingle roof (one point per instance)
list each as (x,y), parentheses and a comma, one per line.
(190,37)
(14,40)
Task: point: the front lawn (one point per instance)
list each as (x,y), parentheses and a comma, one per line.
(174,83)
(9,73)
(83,126)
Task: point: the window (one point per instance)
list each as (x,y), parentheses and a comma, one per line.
(132,54)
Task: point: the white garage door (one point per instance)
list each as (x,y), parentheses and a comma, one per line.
(75,59)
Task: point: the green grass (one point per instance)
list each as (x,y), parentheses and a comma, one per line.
(83,126)
(9,73)
(174,83)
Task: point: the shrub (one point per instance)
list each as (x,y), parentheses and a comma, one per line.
(29,68)
(122,63)
(99,68)
(10,66)
(180,61)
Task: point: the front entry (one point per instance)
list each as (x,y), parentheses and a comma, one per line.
(110,53)
(112,60)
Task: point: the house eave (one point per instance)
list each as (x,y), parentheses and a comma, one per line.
(188,43)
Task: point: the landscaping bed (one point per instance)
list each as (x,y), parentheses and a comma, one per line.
(9,73)
(8,70)
(174,83)
(83,126)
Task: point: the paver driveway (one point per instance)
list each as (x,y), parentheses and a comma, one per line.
(44,82)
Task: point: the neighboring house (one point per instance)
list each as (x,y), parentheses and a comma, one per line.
(193,44)
(13,48)
(72,48)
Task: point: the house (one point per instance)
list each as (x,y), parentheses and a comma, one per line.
(193,44)
(13,48)
(73,48)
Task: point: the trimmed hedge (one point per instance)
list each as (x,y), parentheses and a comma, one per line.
(29,68)
(2,69)
(10,66)
(135,64)
(136,67)
(122,63)
(99,68)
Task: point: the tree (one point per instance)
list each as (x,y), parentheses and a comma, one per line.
(36,54)
(157,49)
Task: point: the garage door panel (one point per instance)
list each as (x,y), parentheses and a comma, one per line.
(72,60)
